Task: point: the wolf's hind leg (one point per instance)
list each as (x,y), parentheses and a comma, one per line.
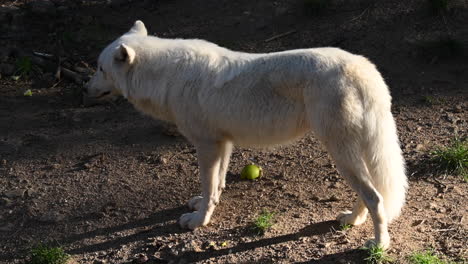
(356,217)
(353,168)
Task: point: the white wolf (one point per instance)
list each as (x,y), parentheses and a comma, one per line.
(219,98)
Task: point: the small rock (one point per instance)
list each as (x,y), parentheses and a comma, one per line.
(441,210)
(324,245)
(432,206)
(15,193)
(42,7)
(62,9)
(335,185)
(421,229)
(457,190)
(162,160)
(52,217)
(30,193)
(420,147)
(418,222)
(458,109)
(142,258)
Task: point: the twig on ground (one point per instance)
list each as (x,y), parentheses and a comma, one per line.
(360,15)
(444,230)
(282,35)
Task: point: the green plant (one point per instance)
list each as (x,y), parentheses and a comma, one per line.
(452,159)
(377,255)
(430,100)
(427,257)
(263,222)
(438,6)
(48,255)
(345,227)
(24,67)
(313,7)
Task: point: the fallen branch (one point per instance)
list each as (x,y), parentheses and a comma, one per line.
(282,35)
(444,230)
(59,71)
(72,75)
(43,55)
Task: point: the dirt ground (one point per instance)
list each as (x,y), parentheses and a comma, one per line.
(108,184)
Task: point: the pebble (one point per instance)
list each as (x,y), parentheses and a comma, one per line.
(420,147)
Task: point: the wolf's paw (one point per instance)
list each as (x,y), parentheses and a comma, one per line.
(347,218)
(195,203)
(192,220)
(384,244)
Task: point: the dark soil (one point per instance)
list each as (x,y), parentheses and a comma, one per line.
(108,184)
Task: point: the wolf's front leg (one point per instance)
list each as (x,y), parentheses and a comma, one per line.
(209,159)
(225,152)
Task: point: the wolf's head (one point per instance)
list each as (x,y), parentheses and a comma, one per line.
(113,64)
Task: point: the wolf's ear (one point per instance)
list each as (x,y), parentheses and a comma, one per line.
(139,28)
(124,54)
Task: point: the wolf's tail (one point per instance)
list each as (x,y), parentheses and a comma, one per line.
(384,157)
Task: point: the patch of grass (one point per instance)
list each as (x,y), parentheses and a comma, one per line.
(438,6)
(24,67)
(452,159)
(427,257)
(314,7)
(263,222)
(345,227)
(377,255)
(48,255)
(430,100)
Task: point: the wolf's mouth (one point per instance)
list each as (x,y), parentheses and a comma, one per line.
(103,94)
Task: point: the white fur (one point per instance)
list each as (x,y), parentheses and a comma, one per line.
(219,98)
